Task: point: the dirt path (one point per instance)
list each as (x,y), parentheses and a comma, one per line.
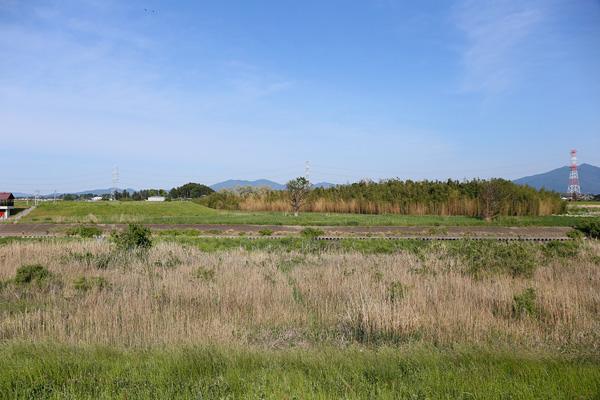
(283,230)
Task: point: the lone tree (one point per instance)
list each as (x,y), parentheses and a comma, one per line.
(298,191)
(493,198)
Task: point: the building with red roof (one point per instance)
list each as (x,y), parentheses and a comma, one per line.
(7,203)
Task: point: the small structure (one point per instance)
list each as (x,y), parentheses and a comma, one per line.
(7,203)
(97,198)
(156,198)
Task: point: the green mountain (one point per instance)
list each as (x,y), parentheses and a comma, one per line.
(558,179)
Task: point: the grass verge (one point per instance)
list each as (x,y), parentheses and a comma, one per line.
(63,372)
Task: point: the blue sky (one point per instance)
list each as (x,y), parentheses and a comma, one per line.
(172,92)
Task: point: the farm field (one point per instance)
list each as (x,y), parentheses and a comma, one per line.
(190,213)
(210,318)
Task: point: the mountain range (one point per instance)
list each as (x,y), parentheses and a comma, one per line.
(258,183)
(558,179)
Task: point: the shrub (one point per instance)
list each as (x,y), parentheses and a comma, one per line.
(484,257)
(135,237)
(83,284)
(311,232)
(32,273)
(524,303)
(84,231)
(576,234)
(591,228)
(265,232)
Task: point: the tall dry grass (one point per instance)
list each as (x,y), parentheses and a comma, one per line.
(177,294)
(455,206)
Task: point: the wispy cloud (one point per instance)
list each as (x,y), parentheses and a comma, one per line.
(498,33)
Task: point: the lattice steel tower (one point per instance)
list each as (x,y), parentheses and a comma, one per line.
(574,190)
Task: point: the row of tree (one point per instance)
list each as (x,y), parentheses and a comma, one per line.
(187,191)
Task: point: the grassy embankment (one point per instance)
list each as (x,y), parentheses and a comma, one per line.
(431,320)
(190,213)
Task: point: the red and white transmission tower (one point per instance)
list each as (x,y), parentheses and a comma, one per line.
(574,190)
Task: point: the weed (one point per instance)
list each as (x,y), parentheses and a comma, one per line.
(396,291)
(524,303)
(84,231)
(206,274)
(575,234)
(311,232)
(84,284)
(32,273)
(265,232)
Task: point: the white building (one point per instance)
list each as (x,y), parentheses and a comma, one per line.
(156,198)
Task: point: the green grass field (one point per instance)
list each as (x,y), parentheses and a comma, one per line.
(55,371)
(190,213)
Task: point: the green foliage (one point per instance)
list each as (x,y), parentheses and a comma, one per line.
(220,201)
(298,192)
(52,371)
(265,232)
(190,191)
(35,273)
(311,232)
(575,234)
(84,231)
(483,257)
(84,284)
(554,250)
(524,303)
(206,274)
(590,227)
(134,237)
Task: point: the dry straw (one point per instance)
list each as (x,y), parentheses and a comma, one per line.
(178,294)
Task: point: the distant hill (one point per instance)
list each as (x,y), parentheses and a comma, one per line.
(258,183)
(558,179)
(96,192)
(234,183)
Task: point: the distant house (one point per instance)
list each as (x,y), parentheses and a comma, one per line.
(97,198)
(156,198)
(7,203)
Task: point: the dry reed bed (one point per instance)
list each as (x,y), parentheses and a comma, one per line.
(467,207)
(177,294)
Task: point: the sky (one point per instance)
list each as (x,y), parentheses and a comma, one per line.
(205,91)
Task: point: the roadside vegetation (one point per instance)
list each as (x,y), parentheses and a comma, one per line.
(203,317)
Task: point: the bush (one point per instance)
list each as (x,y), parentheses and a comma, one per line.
(32,273)
(265,232)
(311,232)
(135,237)
(524,303)
(84,231)
(484,257)
(591,228)
(575,234)
(83,284)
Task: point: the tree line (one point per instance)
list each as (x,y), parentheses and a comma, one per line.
(476,197)
(188,191)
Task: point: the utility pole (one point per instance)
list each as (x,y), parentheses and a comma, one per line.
(307,170)
(115,180)
(54,196)
(37,196)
